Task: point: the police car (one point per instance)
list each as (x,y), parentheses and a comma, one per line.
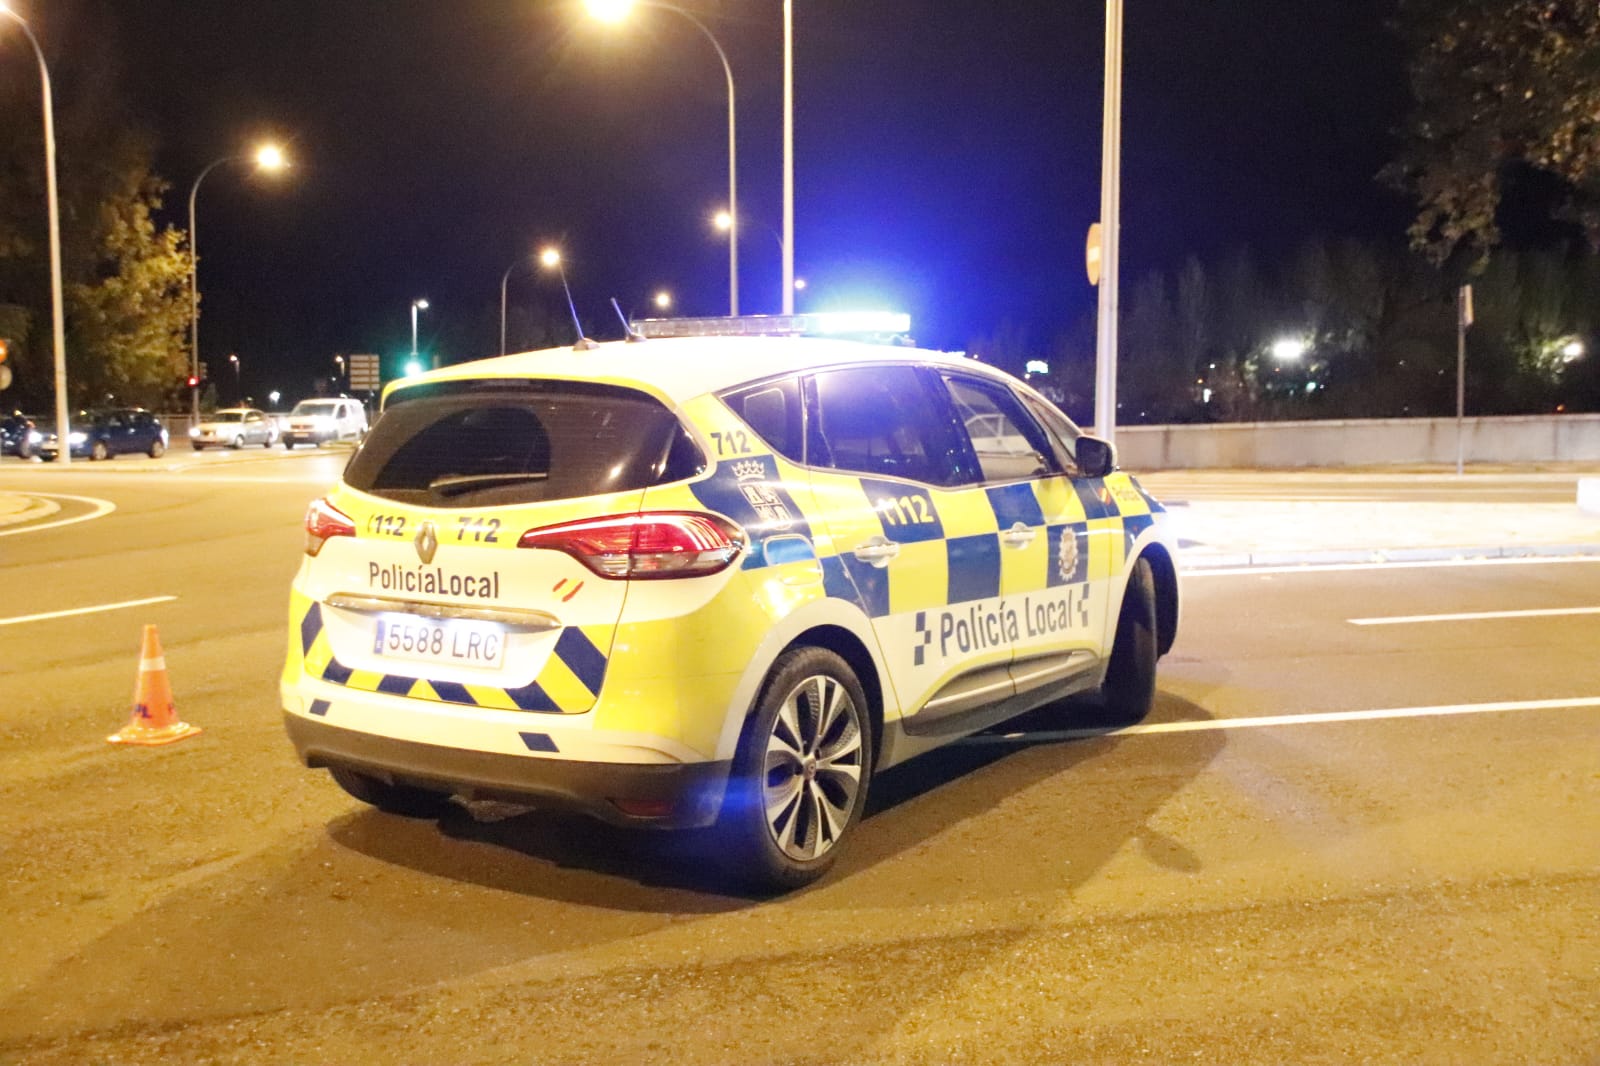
(711,581)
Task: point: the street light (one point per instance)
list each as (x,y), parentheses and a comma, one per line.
(615,11)
(57,316)
(1288,349)
(663,300)
(267,157)
(416,305)
(788,157)
(550,258)
(238,389)
(1105,373)
(504,279)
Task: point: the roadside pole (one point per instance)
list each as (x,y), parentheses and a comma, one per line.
(1463,320)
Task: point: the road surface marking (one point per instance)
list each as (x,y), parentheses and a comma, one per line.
(1217,724)
(102,508)
(1398,620)
(17,621)
(1325,568)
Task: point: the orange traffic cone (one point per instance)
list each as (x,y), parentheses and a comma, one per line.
(155,720)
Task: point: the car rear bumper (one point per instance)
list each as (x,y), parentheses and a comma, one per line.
(674,795)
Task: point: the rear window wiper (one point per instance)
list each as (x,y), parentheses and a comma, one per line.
(455,484)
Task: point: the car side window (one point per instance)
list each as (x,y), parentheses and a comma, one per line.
(1062,433)
(882,421)
(1007,442)
(773,410)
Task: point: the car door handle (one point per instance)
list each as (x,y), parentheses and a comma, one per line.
(878,552)
(1019,536)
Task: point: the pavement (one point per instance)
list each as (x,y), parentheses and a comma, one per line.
(1222,519)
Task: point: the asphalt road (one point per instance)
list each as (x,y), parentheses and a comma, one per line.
(1337,838)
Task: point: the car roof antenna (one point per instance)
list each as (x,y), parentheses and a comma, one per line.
(584,343)
(629,333)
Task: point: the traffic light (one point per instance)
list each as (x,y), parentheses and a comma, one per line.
(194,381)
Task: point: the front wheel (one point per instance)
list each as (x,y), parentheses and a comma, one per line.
(800,775)
(199,447)
(1130,685)
(238,442)
(97,451)
(288,445)
(158,448)
(403,800)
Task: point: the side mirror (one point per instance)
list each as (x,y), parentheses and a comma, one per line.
(1096,458)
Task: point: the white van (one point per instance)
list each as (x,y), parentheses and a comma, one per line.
(317,421)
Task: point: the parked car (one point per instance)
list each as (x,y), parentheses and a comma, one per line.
(103,434)
(322,420)
(714,581)
(234,427)
(19,435)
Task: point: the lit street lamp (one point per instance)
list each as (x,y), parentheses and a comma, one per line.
(614,11)
(238,389)
(663,300)
(1288,349)
(416,305)
(57,316)
(269,158)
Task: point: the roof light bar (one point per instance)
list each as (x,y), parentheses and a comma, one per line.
(814,324)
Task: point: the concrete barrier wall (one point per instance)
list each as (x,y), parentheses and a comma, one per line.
(1360,442)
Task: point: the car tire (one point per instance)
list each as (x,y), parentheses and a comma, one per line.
(406,801)
(288,445)
(157,448)
(98,451)
(24,450)
(198,447)
(1130,684)
(237,443)
(800,775)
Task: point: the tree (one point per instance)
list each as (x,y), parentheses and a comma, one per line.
(130,320)
(126,308)
(1497,84)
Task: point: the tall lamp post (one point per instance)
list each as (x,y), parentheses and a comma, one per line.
(268,157)
(57,315)
(416,305)
(615,11)
(238,384)
(504,280)
(788,157)
(1105,372)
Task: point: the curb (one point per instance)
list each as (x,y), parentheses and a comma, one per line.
(1192,563)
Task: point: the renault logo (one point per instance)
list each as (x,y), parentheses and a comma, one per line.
(426,542)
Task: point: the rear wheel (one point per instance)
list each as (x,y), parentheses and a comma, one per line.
(800,775)
(238,442)
(404,800)
(157,448)
(1130,685)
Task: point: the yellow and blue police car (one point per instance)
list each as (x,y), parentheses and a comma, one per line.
(711,581)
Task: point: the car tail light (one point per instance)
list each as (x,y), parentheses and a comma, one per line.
(649,545)
(324,520)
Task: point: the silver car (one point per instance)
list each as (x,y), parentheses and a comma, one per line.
(234,427)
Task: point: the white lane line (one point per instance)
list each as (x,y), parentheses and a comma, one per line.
(1219,724)
(101,509)
(1400,620)
(1328,568)
(19,619)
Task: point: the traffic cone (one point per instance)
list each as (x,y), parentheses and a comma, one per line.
(155,720)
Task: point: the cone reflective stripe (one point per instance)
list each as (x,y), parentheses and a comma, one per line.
(155,719)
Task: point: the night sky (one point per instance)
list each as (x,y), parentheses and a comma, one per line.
(947,156)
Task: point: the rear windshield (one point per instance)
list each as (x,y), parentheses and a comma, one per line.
(488,443)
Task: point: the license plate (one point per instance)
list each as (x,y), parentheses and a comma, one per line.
(457,642)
